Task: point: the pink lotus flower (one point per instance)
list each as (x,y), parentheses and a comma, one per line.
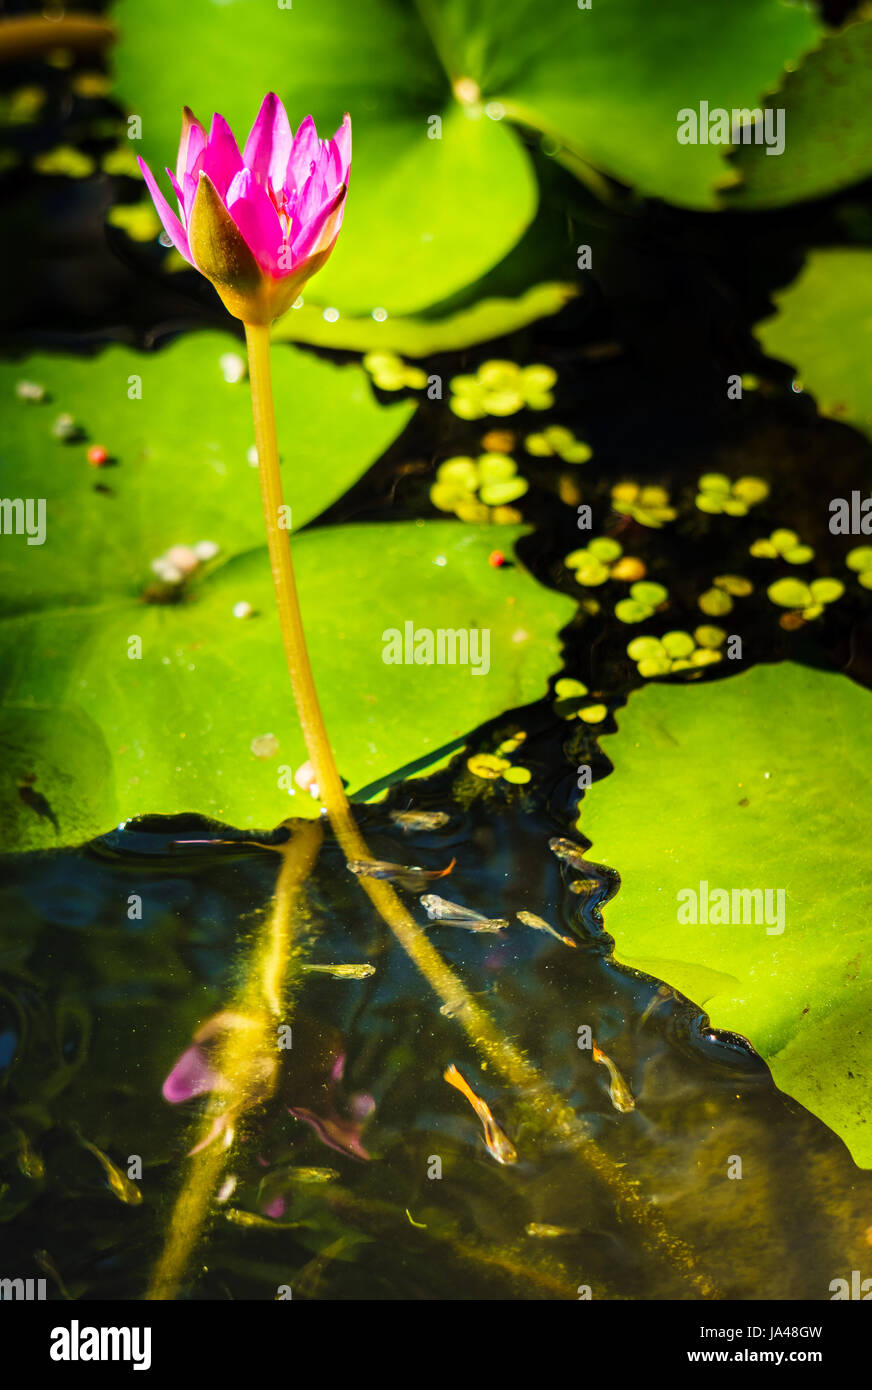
(261,223)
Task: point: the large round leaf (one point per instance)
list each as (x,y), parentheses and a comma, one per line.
(823,328)
(91,735)
(760,781)
(608,82)
(179,468)
(826,104)
(425,215)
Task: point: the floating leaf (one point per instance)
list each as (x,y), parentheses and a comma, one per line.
(419,337)
(789,593)
(769,812)
(826,104)
(103,737)
(823,328)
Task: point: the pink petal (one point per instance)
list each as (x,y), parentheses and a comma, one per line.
(320,233)
(303,154)
(191,1076)
(342,140)
(180,199)
(192,143)
(313,196)
(251,208)
(268,147)
(172,226)
(221,157)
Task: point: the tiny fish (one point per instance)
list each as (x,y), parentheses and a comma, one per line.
(498,1144)
(125,1190)
(619,1092)
(546,1232)
(29,1161)
(539,924)
(310,1174)
(447,914)
(657,999)
(341,972)
(412,876)
(569,853)
(262,1223)
(583,885)
(45,1261)
(38,803)
(420,820)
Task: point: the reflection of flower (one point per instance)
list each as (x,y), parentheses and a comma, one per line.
(261,223)
(195,1074)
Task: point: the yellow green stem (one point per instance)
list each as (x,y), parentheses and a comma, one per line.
(278,540)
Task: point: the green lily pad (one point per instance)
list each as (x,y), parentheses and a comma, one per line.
(179,470)
(604,83)
(419,337)
(99,737)
(826,104)
(774,763)
(823,328)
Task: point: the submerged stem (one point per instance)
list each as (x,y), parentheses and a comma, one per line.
(248,1050)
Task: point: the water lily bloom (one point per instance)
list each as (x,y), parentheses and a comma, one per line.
(261,223)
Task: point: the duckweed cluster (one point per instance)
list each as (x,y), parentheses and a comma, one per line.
(502,388)
(479,489)
(602,559)
(490,767)
(573,702)
(677,651)
(717,601)
(782,544)
(807,601)
(649,506)
(391,373)
(559,441)
(860,560)
(644,598)
(716,494)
